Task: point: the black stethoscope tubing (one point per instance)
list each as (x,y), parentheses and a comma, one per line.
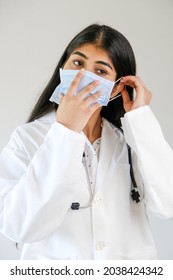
(135,193)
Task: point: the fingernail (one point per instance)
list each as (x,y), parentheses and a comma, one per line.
(81,71)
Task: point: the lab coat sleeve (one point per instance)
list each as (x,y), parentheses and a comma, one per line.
(154,157)
(36,194)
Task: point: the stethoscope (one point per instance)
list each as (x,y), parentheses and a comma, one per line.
(134,193)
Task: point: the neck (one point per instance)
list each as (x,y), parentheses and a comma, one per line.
(93,127)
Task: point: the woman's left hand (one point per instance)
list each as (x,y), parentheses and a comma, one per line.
(143,95)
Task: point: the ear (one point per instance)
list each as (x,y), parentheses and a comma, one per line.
(117,89)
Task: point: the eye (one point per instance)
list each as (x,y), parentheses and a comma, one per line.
(78,62)
(102,72)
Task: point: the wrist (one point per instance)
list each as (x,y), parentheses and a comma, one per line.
(70,127)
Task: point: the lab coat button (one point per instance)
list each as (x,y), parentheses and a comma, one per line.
(100,246)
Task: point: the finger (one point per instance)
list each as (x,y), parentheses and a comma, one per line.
(125,96)
(61,96)
(132,81)
(92,98)
(94,107)
(73,87)
(84,93)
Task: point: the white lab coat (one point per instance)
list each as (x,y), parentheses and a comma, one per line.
(41,174)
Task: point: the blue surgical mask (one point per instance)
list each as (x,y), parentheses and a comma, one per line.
(67,76)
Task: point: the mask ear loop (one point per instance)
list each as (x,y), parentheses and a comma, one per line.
(118,95)
(115,97)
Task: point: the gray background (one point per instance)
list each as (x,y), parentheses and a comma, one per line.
(33,35)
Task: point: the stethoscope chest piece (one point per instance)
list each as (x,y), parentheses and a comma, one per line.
(75,206)
(135,195)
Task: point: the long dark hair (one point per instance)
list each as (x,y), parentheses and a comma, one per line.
(123,59)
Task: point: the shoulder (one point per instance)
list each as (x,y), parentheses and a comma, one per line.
(38,126)
(30,136)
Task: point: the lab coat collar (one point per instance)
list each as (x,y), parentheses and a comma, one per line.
(48,118)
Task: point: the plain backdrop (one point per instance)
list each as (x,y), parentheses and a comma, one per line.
(33,35)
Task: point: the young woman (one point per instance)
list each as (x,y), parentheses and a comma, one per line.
(77,181)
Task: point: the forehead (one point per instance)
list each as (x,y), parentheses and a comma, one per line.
(92,51)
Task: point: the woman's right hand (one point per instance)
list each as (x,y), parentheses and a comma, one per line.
(74,111)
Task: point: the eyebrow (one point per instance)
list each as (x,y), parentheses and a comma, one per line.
(98,62)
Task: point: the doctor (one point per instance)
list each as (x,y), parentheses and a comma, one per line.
(65,179)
